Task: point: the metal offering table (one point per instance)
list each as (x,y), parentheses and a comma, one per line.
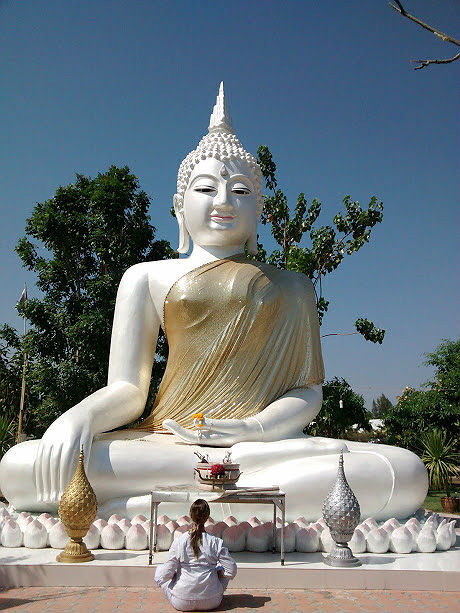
(247,495)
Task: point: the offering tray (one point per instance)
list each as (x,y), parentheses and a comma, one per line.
(224,481)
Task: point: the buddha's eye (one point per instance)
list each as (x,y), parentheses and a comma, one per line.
(204,189)
(240,190)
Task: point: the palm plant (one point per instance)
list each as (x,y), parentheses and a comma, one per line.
(6,434)
(440,458)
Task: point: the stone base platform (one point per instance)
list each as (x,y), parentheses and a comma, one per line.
(415,571)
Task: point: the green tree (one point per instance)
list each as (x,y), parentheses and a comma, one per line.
(334,420)
(11,361)
(445,359)
(420,411)
(380,406)
(350,231)
(79,243)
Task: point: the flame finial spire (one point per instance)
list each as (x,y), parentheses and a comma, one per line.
(220,120)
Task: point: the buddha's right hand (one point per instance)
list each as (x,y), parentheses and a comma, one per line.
(58,452)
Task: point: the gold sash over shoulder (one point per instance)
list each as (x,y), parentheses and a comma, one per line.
(241,334)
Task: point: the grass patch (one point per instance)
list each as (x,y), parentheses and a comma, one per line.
(433,501)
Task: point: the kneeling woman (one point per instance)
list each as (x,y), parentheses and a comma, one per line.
(198,567)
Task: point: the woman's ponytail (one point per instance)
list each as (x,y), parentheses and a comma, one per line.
(199,513)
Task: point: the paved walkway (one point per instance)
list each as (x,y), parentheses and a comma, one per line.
(132,600)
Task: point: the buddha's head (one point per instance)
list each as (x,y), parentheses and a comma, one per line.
(219,188)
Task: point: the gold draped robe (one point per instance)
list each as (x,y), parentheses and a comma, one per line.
(241,334)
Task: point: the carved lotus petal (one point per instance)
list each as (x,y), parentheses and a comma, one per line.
(326,542)
(245,526)
(307,540)
(23,520)
(289,539)
(36,536)
(4,514)
(413,521)
(317,526)
(49,523)
(92,539)
(391,524)
(164,538)
(43,517)
(115,518)
(234,538)
(181,530)
(58,537)
(443,538)
(258,539)
(171,525)
(112,537)
(433,519)
(401,540)
(184,519)
(124,524)
(136,537)
(140,519)
(378,540)
(370,521)
(357,543)
(452,532)
(217,528)
(11,535)
(426,540)
(100,524)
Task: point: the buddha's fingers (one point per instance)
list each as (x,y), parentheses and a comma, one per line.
(215,439)
(189,436)
(38,472)
(55,469)
(68,468)
(44,468)
(233,426)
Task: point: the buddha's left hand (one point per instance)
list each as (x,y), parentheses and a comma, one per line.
(217,432)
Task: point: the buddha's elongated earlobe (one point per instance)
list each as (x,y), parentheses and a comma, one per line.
(251,244)
(184,236)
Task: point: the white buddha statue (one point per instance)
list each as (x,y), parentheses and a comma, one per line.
(244,350)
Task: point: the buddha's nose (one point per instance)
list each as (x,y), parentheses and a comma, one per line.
(221,201)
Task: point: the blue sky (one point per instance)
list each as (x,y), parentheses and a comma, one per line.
(327,85)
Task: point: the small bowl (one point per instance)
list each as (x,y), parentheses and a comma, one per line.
(226,481)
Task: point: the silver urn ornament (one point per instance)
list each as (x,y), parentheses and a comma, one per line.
(341,513)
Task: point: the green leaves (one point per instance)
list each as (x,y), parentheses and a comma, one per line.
(267,165)
(6,435)
(79,243)
(445,360)
(418,412)
(369,330)
(334,420)
(440,458)
(330,244)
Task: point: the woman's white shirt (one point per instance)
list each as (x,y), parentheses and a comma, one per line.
(196,579)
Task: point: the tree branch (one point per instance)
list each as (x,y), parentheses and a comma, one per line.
(339,334)
(441,35)
(424,63)
(445,37)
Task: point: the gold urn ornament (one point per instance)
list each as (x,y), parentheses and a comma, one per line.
(77,510)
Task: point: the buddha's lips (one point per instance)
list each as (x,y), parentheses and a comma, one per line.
(223,217)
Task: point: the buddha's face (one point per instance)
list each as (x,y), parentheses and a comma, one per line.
(220,204)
